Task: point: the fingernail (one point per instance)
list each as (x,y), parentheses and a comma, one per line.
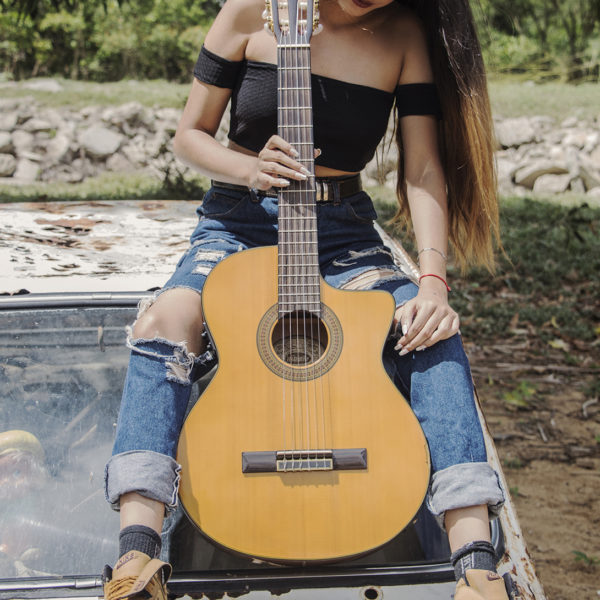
(305,171)
(420,348)
(302,176)
(404,329)
(294,152)
(318,151)
(284,182)
(398,346)
(403,352)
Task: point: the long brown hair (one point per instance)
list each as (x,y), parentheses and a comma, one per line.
(466,131)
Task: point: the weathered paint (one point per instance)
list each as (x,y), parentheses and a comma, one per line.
(92,246)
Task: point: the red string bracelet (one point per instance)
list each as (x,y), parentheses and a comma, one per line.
(437,277)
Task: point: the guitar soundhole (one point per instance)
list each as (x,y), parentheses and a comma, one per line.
(300,345)
(299,338)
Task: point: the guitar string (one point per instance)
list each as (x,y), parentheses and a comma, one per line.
(302,211)
(283,279)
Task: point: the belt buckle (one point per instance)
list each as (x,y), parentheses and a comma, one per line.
(322,189)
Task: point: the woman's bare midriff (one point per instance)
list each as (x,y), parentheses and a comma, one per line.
(319,171)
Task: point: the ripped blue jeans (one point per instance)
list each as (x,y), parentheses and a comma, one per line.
(436,381)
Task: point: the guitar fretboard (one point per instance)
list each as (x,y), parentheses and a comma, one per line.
(298,281)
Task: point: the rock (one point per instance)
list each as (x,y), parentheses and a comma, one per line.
(552,184)
(167,119)
(117,162)
(43,85)
(58,148)
(512,133)
(8,164)
(27,170)
(131,114)
(526,175)
(6,145)
(135,154)
(577,186)
(591,142)
(34,156)
(34,125)
(569,122)
(595,157)
(594,192)
(23,141)
(100,142)
(576,138)
(8,120)
(589,175)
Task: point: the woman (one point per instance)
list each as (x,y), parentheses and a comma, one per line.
(369,53)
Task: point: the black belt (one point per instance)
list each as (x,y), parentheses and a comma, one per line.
(328,189)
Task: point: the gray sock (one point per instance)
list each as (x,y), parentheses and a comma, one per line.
(474,555)
(140,538)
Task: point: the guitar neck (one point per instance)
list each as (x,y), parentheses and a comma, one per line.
(299,275)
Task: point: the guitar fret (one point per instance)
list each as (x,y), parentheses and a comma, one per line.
(298,231)
(293,88)
(295,107)
(298,68)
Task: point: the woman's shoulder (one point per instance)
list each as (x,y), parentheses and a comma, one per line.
(405,34)
(236,22)
(402,27)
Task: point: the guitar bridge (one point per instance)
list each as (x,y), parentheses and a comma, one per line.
(291,461)
(315,460)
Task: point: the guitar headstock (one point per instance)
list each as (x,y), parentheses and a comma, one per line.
(289,20)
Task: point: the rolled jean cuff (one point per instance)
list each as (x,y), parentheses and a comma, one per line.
(463,485)
(150,474)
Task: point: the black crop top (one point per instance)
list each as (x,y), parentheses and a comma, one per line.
(349,120)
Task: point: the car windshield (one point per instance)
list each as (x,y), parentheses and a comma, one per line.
(62,369)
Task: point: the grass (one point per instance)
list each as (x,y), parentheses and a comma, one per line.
(516,97)
(78,94)
(108,186)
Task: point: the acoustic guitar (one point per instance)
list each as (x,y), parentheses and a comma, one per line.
(301,448)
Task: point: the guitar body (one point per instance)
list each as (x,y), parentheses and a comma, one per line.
(259,404)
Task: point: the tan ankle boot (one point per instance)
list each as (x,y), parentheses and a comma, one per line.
(137,574)
(480,585)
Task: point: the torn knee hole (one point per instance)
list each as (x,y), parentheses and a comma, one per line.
(368,279)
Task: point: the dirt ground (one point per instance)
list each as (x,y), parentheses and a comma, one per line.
(547,431)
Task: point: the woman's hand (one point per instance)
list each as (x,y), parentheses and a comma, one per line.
(275,165)
(426,319)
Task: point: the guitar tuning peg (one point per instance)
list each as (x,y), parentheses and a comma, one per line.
(265,14)
(317,29)
(268,27)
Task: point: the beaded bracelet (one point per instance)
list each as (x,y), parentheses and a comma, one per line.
(437,277)
(434,250)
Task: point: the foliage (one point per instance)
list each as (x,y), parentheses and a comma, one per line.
(552,38)
(589,561)
(143,39)
(103,39)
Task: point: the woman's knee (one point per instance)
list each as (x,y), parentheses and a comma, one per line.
(175,315)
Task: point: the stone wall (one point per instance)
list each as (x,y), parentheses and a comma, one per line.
(47,144)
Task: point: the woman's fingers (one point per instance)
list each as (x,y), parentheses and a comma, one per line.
(277,164)
(430,325)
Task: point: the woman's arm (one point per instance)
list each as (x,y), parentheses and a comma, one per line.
(427,318)
(195,142)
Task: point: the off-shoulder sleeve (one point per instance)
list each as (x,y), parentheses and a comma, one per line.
(216,70)
(418,99)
